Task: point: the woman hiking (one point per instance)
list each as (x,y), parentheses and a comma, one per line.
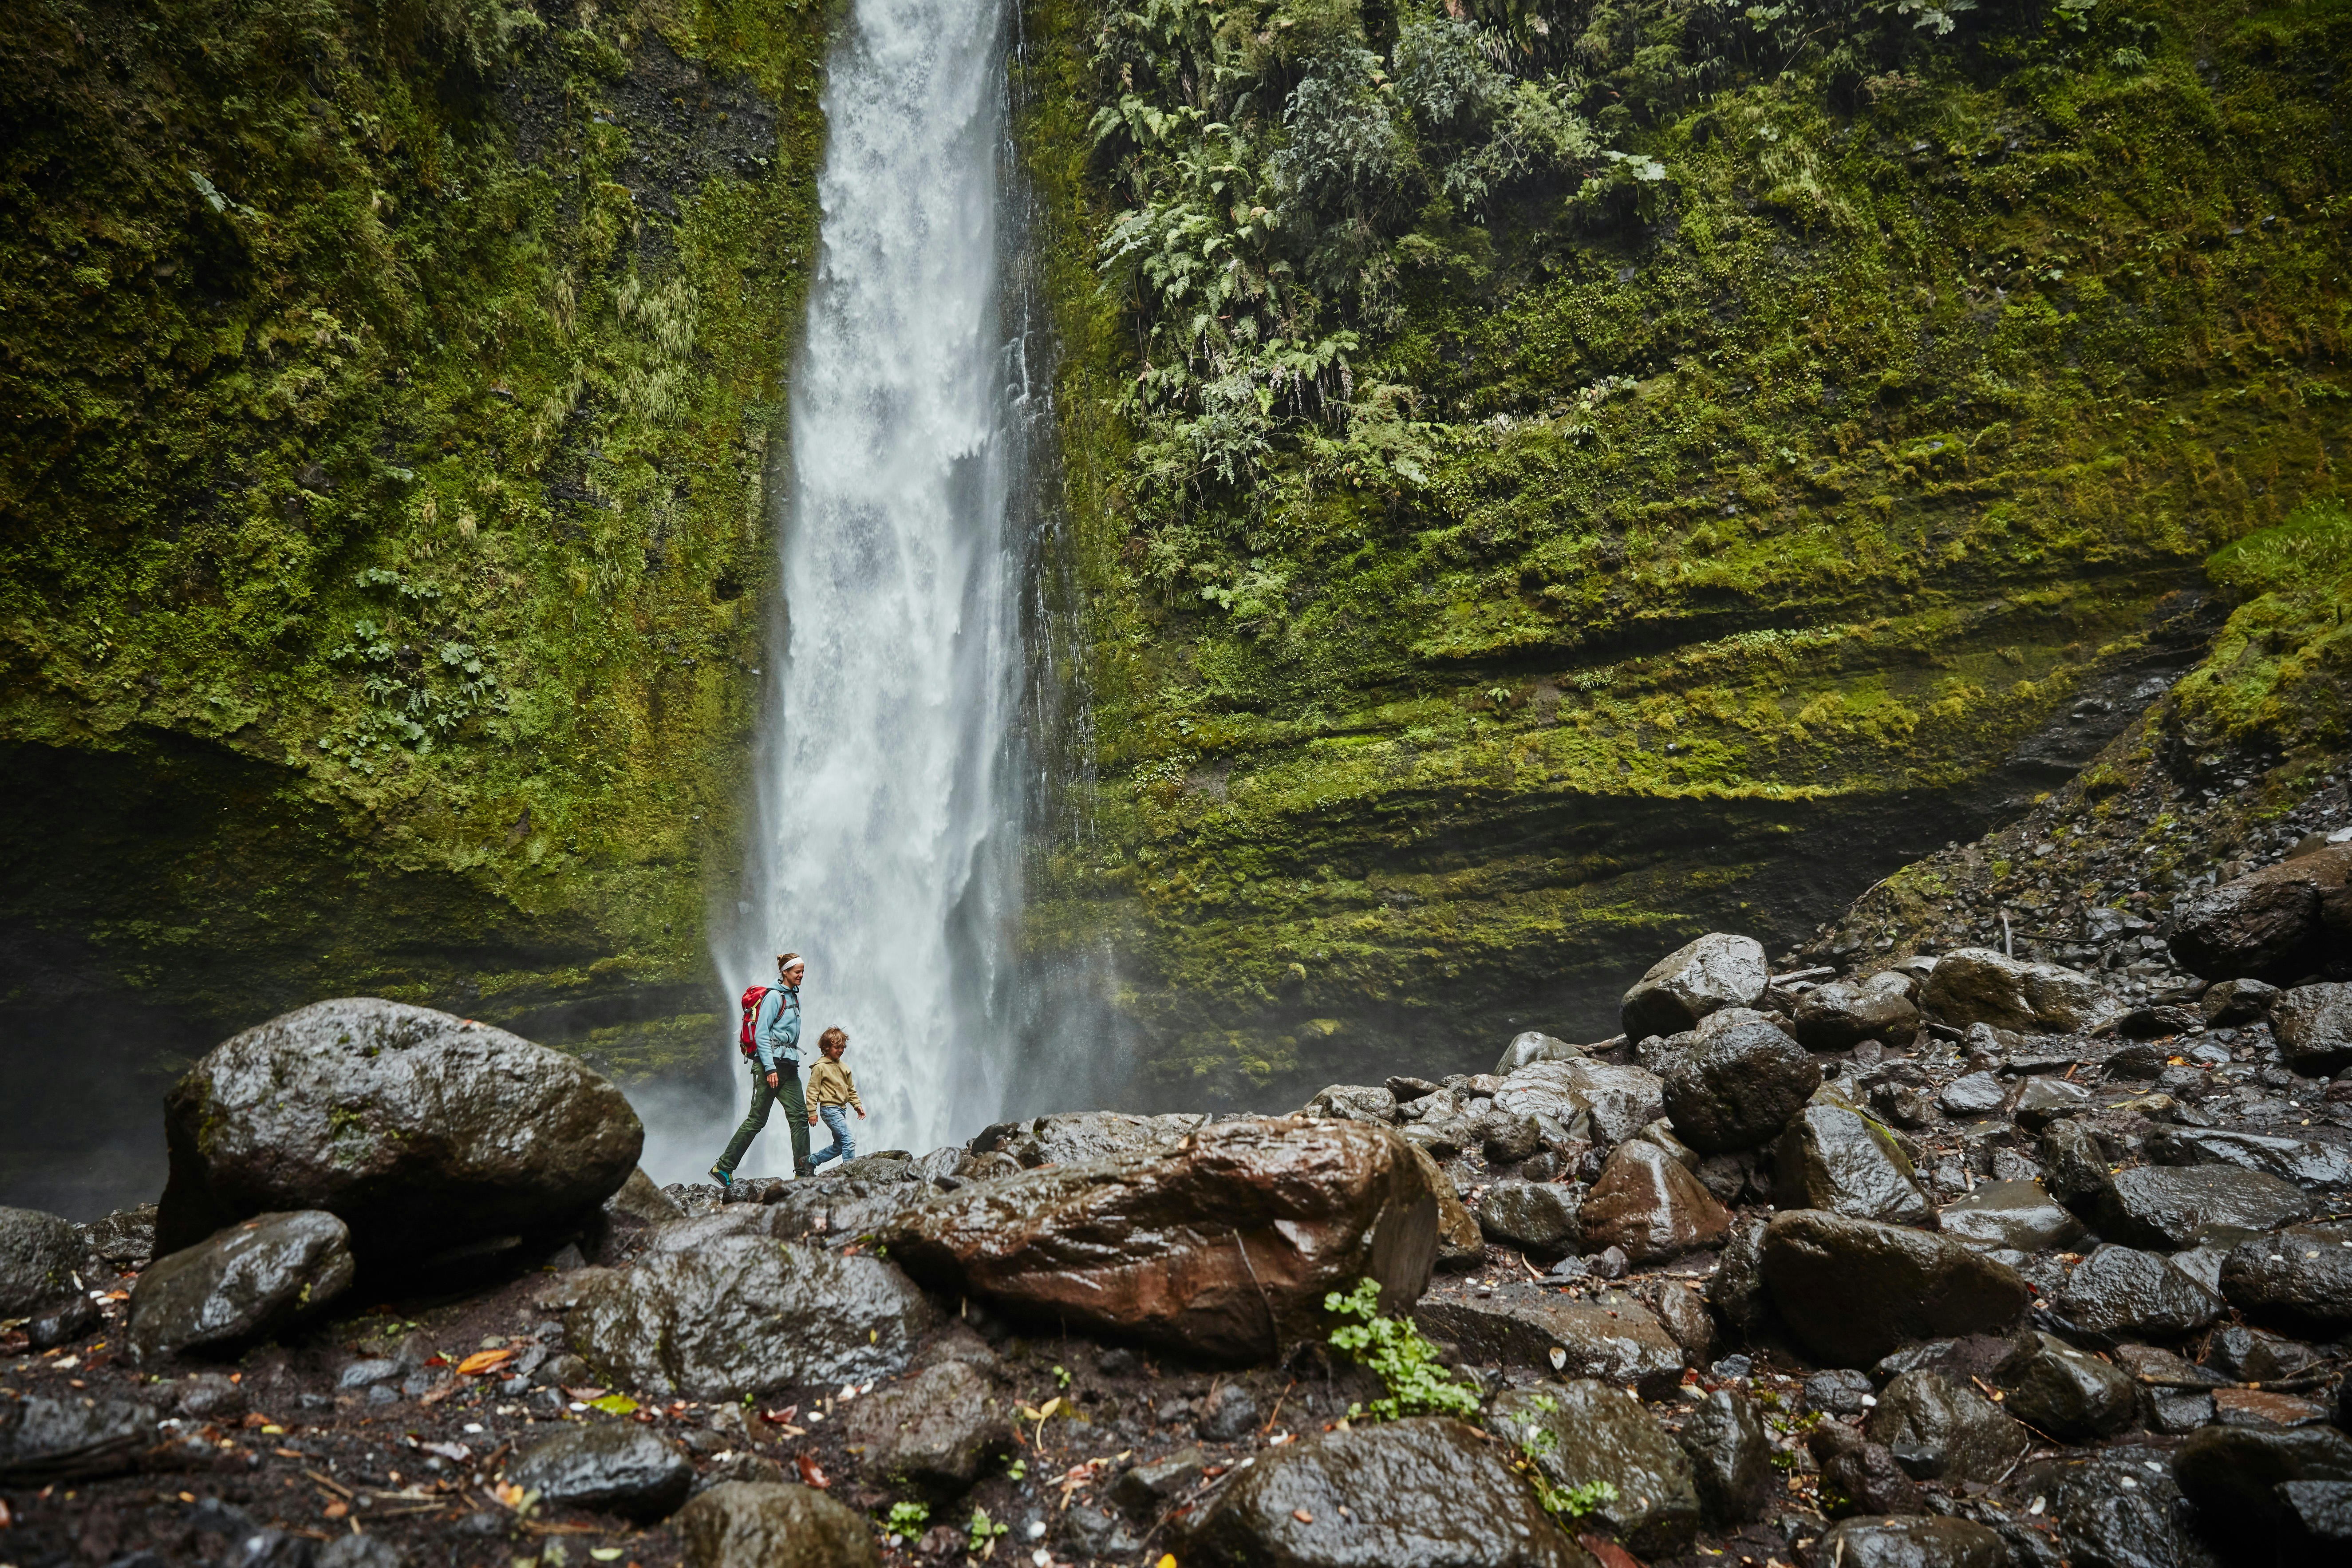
(771,1039)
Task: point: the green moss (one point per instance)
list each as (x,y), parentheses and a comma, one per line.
(2280,671)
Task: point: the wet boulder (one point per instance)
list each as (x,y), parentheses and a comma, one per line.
(1860,1477)
(2168,1207)
(1461,1244)
(1835,1159)
(1584,1431)
(1737,1292)
(1354,1102)
(2123,1292)
(1077,1136)
(1578,1098)
(2020,1216)
(424,1133)
(2075,1168)
(840,1205)
(1715,972)
(933,1431)
(2232,1475)
(1533,1047)
(639,1200)
(2254,1355)
(1840,1015)
(1854,1289)
(2316,1521)
(1613,1338)
(1943,1430)
(1424,1491)
(125,1237)
(1976,1094)
(1543,1218)
(1224,1245)
(1738,1090)
(2043,1099)
(2069,1395)
(1730,1455)
(2268,924)
(2306,1161)
(718,1307)
(1978,985)
(2299,1279)
(1647,1205)
(251,1280)
(2116,1506)
(2313,1024)
(751,1524)
(612,1467)
(1911,1541)
(45,1440)
(38,1254)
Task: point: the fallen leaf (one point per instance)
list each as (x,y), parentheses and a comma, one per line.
(613,1404)
(780,1417)
(1049,1407)
(456,1453)
(811,1474)
(480,1362)
(1302,1516)
(337,1509)
(605,1554)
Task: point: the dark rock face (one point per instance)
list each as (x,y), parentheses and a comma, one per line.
(1978,985)
(1834,1158)
(1860,1477)
(1737,1292)
(934,1430)
(2300,1279)
(1144,1491)
(1730,1456)
(1841,1014)
(2167,1206)
(1354,1102)
(1648,1206)
(1738,1088)
(1614,1338)
(2265,925)
(746,1524)
(2232,1475)
(249,1281)
(2316,1525)
(640,1200)
(2118,1506)
(2018,1215)
(421,1131)
(1460,1242)
(1224,1245)
(1945,1430)
(2236,1001)
(1080,1135)
(1852,1290)
(2313,1024)
(1576,1098)
(37,1255)
(1584,1431)
(2252,1355)
(615,1466)
(2119,1290)
(2044,1099)
(1911,1542)
(840,1205)
(2307,1162)
(2074,1168)
(1977,1094)
(1715,972)
(1426,1491)
(2070,1394)
(124,1236)
(718,1307)
(1229,1415)
(45,1440)
(1540,1217)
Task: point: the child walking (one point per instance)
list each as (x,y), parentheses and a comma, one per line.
(832,1092)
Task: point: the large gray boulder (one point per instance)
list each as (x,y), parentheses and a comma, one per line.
(1839,1160)
(256,1278)
(1978,985)
(718,1307)
(1842,1014)
(44,1440)
(752,1524)
(1425,1492)
(1542,1218)
(1854,1289)
(2123,1292)
(1738,1088)
(933,1431)
(613,1466)
(1222,1245)
(1614,1338)
(2313,1024)
(2269,924)
(425,1133)
(1583,1431)
(1532,1046)
(1578,1098)
(1076,1136)
(38,1253)
(1717,971)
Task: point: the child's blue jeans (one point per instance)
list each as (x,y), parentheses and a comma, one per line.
(844,1146)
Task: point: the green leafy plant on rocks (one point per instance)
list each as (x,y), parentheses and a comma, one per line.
(906,1520)
(1400,1355)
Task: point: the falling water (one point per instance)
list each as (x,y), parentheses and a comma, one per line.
(886,847)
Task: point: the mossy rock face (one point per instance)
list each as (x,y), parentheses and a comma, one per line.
(382,528)
(1685,558)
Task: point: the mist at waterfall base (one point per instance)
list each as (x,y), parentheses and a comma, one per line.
(893,789)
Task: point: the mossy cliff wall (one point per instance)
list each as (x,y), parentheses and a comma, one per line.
(1556,478)
(391,390)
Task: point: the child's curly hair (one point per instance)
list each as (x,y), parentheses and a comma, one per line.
(836,1035)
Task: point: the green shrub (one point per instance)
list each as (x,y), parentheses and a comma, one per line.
(1400,1355)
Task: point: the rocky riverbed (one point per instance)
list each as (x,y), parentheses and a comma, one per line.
(1950,1260)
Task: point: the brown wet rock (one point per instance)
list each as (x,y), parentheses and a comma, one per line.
(2265,925)
(421,1131)
(1736,1089)
(46,1439)
(2114,1506)
(1426,1491)
(1978,985)
(1613,1338)
(2307,1162)
(2121,1291)
(1583,1431)
(1860,1477)
(2016,1215)
(933,1431)
(1852,1290)
(1225,1245)
(1543,1220)
(2313,1024)
(612,1467)
(2264,1408)
(1730,1455)
(2232,1474)
(1839,1014)
(1460,1242)
(1649,1205)
(38,1253)
(1835,1159)
(2068,1392)
(743,1524)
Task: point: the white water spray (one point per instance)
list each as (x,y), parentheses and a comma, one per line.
(885,847)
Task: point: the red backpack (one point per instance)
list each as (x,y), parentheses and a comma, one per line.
(753,997)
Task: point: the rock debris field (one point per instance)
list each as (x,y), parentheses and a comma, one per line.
(1959,1262)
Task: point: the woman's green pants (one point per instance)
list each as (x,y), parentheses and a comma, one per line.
(787,1093)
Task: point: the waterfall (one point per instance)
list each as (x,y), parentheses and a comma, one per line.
(885,840)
